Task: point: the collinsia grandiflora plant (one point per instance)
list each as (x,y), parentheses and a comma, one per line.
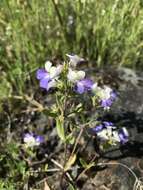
(72,91)
(78,102)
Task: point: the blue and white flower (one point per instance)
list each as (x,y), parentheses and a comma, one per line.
(108,132)
(32,140)
(83,86)
(48,77)
(104,130)
(106,95)
(74,60)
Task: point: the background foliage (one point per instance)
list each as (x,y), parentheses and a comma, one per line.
(106,32)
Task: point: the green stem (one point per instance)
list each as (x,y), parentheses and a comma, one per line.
(59,18)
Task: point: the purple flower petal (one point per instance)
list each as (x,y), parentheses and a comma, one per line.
(106,123)
(123,135)
(41,73)
(80,88)
(106,103)
(44,82)
(83,86)
(87,83)
(109,125)
(113,95)
(123,139)
(39,139)
(98,128)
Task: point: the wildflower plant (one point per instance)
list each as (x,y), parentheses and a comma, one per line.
(74,93)
(78,103)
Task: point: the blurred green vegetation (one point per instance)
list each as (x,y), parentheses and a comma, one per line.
(31,31)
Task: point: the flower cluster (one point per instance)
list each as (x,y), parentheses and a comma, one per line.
(105,94)
(32,140)
(49,76)
(108,132)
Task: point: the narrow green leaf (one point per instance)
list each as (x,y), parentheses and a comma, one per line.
(70,162)
(83,163)
(60,128)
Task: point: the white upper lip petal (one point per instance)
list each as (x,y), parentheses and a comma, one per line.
(75,76)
